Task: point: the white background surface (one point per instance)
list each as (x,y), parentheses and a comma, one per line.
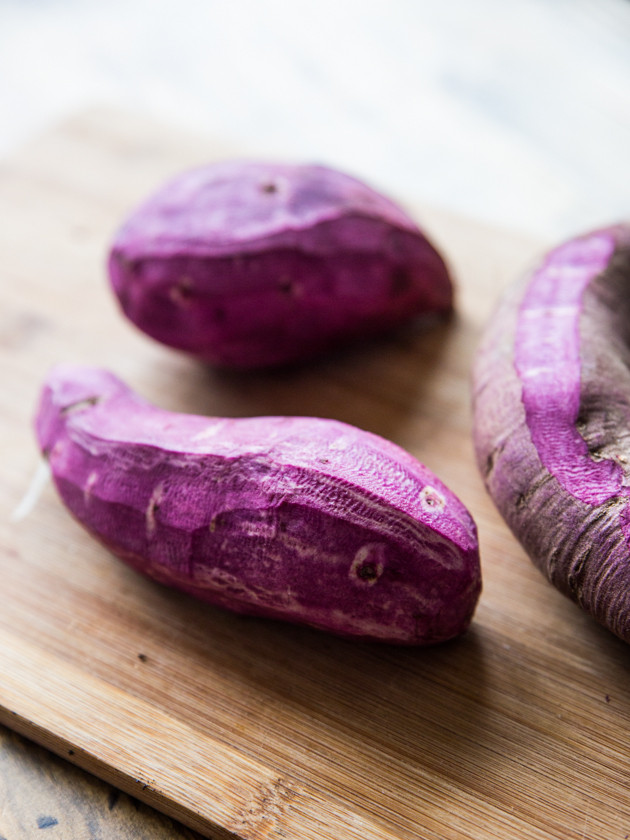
(516,113)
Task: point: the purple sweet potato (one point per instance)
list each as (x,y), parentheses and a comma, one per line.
(303,519)
(247,264)
(552,419)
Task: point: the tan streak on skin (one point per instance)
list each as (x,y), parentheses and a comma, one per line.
(88,402)
(180,293)
(152,507)
(89,485)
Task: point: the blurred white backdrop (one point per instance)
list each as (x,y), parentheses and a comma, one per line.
(513,113)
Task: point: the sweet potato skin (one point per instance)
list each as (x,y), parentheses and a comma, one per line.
(551,408)
(247,264)
(304,519)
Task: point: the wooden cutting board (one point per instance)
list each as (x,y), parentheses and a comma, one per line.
(254,729)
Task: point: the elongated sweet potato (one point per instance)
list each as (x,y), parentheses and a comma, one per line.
(304,519)
(552,419)
(248,264)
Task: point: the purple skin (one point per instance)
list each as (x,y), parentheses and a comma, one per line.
(308,520)
(552,420)
(247,264)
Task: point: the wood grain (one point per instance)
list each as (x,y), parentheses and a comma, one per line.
(251,729)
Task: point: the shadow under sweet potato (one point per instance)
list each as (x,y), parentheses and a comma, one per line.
(348,715)
(377,385)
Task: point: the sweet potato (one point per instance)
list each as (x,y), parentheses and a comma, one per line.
(552,419)
(304,519)
(247,264)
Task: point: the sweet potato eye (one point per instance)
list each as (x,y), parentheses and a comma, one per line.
(367,571)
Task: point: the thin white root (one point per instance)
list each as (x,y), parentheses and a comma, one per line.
(31,497)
